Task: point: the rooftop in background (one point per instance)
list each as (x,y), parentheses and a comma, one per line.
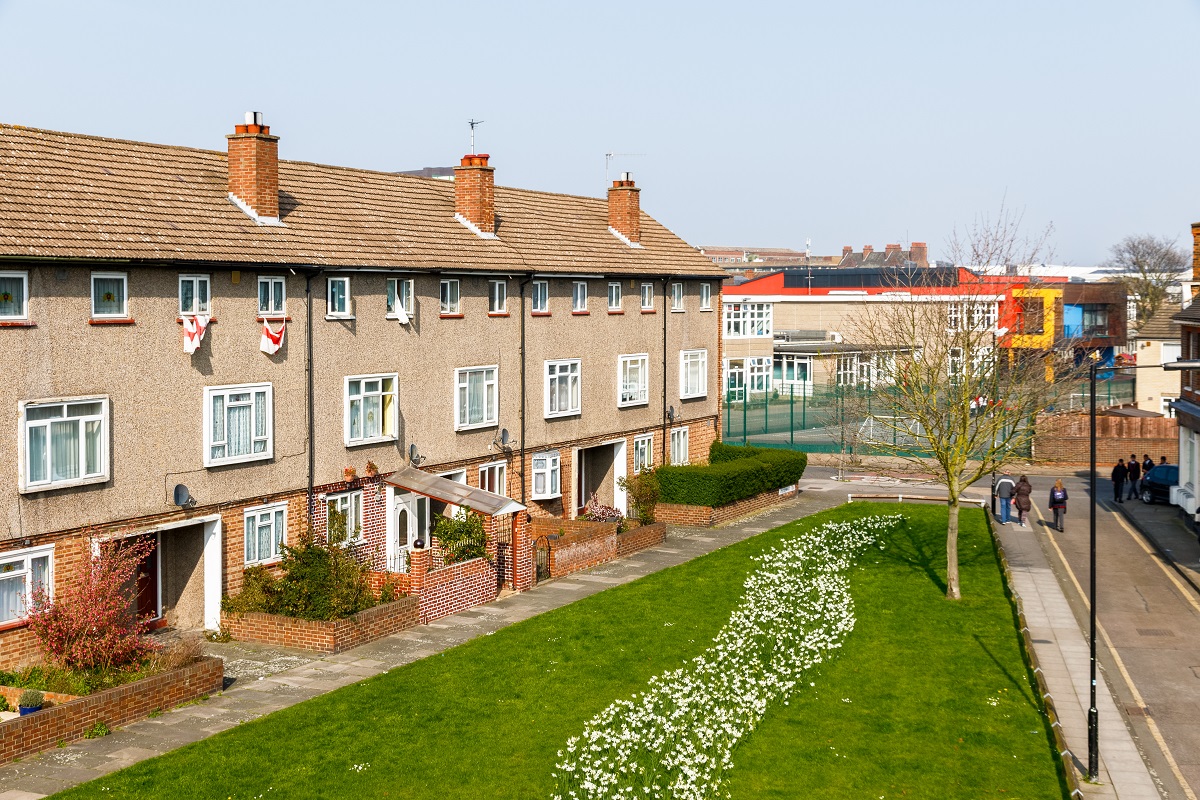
(873,280)
(1069,272)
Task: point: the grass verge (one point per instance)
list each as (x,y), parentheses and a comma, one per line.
(928,698)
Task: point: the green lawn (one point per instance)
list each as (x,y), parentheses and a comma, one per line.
(486,719)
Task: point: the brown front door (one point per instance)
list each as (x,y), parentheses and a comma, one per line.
(147,582)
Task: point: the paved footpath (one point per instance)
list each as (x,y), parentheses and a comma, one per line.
(268,679)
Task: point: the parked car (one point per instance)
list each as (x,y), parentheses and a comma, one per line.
(1156,486)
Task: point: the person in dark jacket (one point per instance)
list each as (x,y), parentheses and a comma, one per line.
(1058,504)
(1004,493)
(1135,472)
(1147,465)
(1022,501)
(1119,473)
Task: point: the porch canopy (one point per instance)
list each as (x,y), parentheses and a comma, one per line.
(411,479)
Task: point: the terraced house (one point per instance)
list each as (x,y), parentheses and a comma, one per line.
(219,349)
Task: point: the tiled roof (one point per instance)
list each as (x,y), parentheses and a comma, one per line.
(1189,316)
(74,196)
(1161,325)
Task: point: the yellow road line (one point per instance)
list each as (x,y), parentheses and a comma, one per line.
(1137,696)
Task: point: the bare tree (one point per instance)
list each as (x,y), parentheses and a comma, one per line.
(956,397)
(1149,266)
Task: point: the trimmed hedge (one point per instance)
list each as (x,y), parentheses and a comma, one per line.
(733,473)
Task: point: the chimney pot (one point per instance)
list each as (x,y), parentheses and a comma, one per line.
(868,249)
(846,250)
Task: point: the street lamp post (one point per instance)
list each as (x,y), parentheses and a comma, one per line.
(1093,716)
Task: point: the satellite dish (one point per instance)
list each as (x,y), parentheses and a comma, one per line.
(413,456)
(504,437)
(182,495)
(671,413)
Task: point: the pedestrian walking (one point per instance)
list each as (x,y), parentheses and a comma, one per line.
(1147,465)
(1135,473)
(1119,473)
(1058,504)
(1004,493)
(1021,500)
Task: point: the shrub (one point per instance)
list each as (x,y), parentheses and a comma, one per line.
(4,706)
(598,512)
(91,623)
(257,594)
(98,730)
(462,536)
(643,492)
(320,582)
(735,474)
(31,698)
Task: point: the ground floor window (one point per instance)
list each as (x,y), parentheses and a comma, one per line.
(679,446)
(643,453)
(266,531)
(22,572)
(492,478)
(546,476)
(343,518)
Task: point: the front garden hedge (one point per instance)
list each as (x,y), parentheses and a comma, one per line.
(733,473)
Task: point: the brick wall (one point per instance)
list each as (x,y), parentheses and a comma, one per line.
(456,588)
(114,707)
(323,636)
(13,694)
(578,544)
(707,516)
(1065,438)
(640,538)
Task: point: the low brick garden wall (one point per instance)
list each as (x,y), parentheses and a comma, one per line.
(121,705)
(13,693)
(323,636)
(457,587)
(579,544)
(709,516)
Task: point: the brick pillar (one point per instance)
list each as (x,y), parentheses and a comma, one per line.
(523,565)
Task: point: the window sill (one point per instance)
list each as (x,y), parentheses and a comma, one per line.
(692,396)
(391,316)
(477,426)
(546,496)
(51,487)
(450,316)
(179,320)
(270,562)
(339,317)
(228,462)
(678,310)
(580,313)
(564,415)
(377,440)
(17,323)
(111,321)
(539,313)
(13,625)
(633,403)
(615,312)
(497,313)
(649,310)
(272,318)
(705,309)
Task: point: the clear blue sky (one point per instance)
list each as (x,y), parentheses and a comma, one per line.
(761,123)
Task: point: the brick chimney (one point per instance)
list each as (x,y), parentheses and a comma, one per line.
(891,251)
(475,194)
(1195,253)
(920,254)
(846,250)
(867,250)
(625,210)
(254,168)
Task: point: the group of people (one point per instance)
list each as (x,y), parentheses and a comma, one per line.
(1017,493)
(1132,473)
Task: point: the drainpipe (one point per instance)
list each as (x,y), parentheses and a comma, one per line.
(521,471)
(666,433)
(309,393)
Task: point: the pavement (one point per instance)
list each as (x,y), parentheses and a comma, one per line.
(260,680)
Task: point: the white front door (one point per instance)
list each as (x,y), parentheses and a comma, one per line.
(411,515)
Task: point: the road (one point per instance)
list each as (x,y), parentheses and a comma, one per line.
(1149,619)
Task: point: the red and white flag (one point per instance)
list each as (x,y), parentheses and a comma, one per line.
(193,332)
(271,341)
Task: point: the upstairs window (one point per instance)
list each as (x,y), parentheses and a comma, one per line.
(747,320)
(450,302)
(693,373)
(193,295)
(14,295)
(706,297)
(647,297)
(399,297)
(109,300)
(475,398)
(1095,320)
(339,297)
(614,296)
(237,424)
(677,297)
(497,297)
(65,443)
(370,409)
(562,388)
(633,377)
(579,297)
(271,296)
(21,573)
(540,302)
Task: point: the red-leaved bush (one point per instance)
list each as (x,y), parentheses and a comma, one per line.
(92,623)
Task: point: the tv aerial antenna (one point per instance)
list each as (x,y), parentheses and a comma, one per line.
(473,123)
(608,158)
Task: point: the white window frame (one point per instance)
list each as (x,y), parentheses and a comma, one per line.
(330,312)
(550,471)
(758,374)
(614,296)
(353,503)
(539,300)
(496,474)
(794,362)
(647,297)
(124,278)
(571,370)
(271,282)
(685,390)
(679,443)
(196,280)
(267,437)
(387,421)
(676,298)
(278,525)
(25,572)
(706,296)
(643,453)
(641,396)
(23,314)
(27,485)
(462,377)
(401,289)
(579,297)
(451,510)
(748,320)
(498,297)
(449,302)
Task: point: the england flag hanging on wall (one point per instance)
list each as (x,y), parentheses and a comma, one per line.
(193,332)
(271,341)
